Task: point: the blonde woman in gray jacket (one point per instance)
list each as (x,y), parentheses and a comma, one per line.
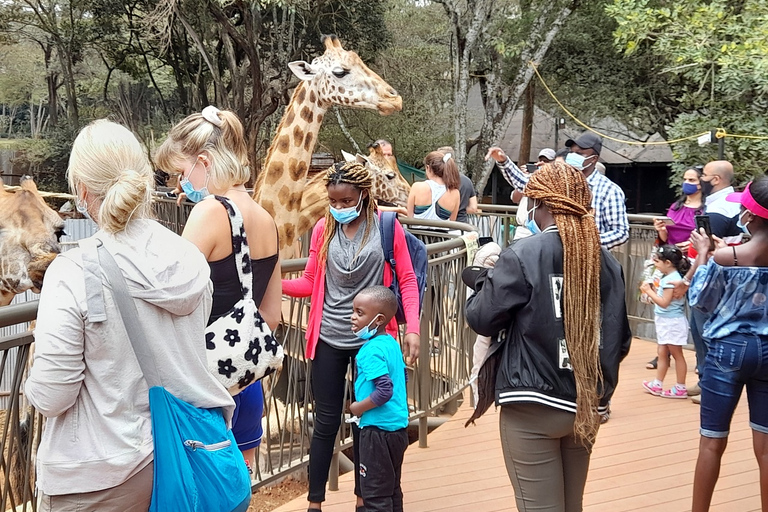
(96,450)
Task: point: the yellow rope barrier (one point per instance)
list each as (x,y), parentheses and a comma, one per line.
(719,133)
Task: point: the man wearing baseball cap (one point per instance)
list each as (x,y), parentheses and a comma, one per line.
(608,201)
(546,155)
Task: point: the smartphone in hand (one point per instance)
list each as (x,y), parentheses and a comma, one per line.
(702,221)
(531,167)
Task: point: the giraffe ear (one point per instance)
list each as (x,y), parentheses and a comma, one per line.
(302,69)
(348,157)
(362,159)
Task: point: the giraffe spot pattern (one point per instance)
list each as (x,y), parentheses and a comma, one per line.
(274,172)
(308,141)
(298,135)
(306,114)
(283,144)
(312,97)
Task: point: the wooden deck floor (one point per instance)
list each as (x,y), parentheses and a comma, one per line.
(643,460)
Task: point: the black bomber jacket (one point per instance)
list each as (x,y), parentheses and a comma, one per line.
(519,303)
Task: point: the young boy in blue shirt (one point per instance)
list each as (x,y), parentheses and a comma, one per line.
(382,404)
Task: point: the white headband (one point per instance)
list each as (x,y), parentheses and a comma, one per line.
(447,157)
(211,114)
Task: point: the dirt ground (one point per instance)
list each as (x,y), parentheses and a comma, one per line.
(268,499)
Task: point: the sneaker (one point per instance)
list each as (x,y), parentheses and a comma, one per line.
(675,392)
(694,390)
(696,399)
(654,389)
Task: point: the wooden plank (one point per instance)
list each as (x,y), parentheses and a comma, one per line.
(644,458)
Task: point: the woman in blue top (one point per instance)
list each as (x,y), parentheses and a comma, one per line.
(731,286)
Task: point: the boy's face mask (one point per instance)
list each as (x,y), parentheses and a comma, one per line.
(367,332)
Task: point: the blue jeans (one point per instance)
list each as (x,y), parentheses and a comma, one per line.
(732,363)
(696,323)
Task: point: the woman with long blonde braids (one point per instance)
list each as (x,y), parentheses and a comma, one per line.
(556,300)
(346,256)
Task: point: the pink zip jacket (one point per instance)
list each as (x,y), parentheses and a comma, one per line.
(312,282)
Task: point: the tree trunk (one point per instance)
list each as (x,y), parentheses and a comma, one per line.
(527,130)
(542,33)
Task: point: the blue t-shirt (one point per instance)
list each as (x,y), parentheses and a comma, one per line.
(735,299)
(381,355)
(676,307)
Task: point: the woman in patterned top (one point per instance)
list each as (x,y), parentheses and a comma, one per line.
(731,286)
(208,149)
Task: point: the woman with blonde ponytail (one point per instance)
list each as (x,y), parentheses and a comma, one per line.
(208,150)
(558,297)
(96,451)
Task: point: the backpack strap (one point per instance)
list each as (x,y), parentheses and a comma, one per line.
(387,231)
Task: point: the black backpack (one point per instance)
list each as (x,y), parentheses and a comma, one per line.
(418,252)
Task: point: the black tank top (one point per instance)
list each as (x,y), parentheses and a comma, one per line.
(226,283)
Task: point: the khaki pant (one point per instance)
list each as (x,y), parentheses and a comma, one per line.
(134,495)
(546,464)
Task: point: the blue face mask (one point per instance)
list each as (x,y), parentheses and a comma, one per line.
(366,332)
(194,195)
(577,161)
(743,227)
(690,188)
(347,215)
(531,224)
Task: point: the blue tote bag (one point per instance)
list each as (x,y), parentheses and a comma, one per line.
(197,465)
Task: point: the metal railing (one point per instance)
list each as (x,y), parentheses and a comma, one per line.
(435,383)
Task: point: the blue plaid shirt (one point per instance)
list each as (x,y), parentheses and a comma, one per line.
(607,201)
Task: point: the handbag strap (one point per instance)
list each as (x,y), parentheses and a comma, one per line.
(239,246)
(95,257)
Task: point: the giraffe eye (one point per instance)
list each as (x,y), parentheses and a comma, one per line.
(340,72)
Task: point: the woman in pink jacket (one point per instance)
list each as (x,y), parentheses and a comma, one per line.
(346,256)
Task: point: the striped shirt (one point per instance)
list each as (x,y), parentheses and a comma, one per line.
(608,202)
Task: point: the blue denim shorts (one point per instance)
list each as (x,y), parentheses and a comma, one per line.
(732,363)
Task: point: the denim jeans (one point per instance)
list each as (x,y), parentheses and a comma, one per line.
(732,363)
(696,323)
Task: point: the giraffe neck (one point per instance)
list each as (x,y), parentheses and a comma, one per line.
(283,177)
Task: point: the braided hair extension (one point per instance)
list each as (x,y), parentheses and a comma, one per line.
(566,194)
(357,175)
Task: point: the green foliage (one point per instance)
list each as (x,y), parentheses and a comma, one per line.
(45,160)
(749,157)
(719,52)
(416,64)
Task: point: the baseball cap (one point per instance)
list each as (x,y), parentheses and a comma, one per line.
(587,140)
(747,201)
(547,153)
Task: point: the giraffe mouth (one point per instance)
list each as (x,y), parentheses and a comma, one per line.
(390,105)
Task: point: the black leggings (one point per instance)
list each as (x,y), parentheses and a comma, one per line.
(329,378)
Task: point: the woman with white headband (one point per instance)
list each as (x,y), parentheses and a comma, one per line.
(730,286)
(209,151)
(438,197)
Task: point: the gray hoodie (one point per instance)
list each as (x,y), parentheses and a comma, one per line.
(85,378)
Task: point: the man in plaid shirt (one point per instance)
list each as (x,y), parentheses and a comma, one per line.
(607,197)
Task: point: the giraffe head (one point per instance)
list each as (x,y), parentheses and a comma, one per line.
(340,77)
(29,239)
(389,187)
